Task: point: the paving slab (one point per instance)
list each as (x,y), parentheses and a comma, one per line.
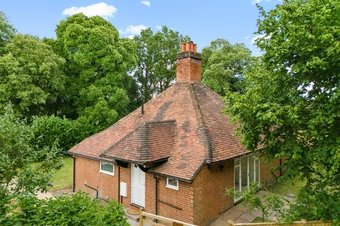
(218,222)
(231,214)
(248,217)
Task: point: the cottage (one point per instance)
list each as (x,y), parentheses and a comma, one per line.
(174,156)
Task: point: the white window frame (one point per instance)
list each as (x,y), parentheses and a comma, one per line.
(105,171)
(171,186)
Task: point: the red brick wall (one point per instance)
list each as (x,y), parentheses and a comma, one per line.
(209,197)
(200,202)
(188,69)
(267,171)
(176,204)
(87,172)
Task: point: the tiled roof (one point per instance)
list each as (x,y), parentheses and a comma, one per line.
(185,125)
(150,142)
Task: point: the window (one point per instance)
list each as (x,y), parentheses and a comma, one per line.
(107,168)
(172,183)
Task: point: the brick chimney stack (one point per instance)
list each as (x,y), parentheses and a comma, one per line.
(189,67)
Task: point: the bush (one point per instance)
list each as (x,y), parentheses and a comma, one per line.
(78,209)
(49,130)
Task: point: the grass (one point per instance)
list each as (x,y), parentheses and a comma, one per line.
(287,187)
(62,179)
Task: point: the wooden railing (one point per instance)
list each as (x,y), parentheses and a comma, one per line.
(148,219)
(295,223)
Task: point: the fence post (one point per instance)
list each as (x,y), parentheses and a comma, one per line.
(140,217)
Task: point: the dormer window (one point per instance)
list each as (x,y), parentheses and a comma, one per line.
(172,183)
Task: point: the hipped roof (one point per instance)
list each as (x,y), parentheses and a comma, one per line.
(184,125)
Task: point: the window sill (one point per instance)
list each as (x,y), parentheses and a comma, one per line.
(105,172)
(172,187)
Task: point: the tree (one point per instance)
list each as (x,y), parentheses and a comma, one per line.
(97,66)
(224,65)
(270,204)
(157,54)
(30,76)
(52,130)
(7,31)
(291,107)
(18,175)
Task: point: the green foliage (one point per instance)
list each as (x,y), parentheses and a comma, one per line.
(157,55)
(224,65)
(291,107)
(97,67)
(6,31)
(78,209)
(18,176)
(268,205)
(30,76)
(52,130)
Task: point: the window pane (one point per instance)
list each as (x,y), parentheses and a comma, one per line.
(237,180)
(244,173)
(257,170)
(172,182)
(107,167)
(237,161)
(251,169)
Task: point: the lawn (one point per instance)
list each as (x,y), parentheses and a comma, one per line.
(62,179)
(285,187)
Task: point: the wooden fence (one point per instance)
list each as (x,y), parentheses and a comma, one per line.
(148,219)
(295,223)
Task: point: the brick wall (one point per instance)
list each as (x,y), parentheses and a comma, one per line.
(87,172)
(209,186)
(200,202)
(176,204)
(268,172)
(188,69)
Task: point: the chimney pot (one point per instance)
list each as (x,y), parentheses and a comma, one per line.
(183,47)
(187,46)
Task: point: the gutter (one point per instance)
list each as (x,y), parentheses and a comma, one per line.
(118,186)
(74,175)
(156,195)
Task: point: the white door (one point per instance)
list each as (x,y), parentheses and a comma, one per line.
(137,185)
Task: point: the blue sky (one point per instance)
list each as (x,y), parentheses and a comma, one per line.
(203,21)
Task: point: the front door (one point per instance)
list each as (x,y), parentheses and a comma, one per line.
(137,185)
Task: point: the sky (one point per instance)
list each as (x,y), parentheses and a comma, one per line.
(202,21)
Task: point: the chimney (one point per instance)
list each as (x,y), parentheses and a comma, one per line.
(188,64)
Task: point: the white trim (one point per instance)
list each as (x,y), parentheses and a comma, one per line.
(171,186)
(105,171)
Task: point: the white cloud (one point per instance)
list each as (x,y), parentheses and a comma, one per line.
(133,30)
(146,3)
(159,27)
(99,9)
(255,37)
(258,1)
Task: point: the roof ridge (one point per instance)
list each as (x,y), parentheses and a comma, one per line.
(208,145)
(144,140)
